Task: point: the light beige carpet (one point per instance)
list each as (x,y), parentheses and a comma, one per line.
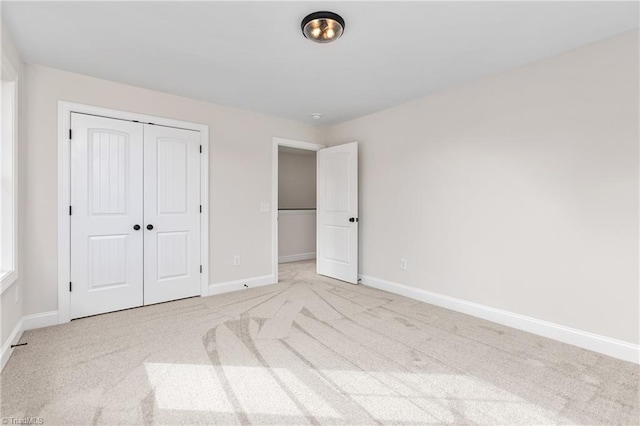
(309,350)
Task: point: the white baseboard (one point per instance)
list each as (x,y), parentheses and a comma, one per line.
(296,257)
(226,287)
(45,319)
(584,339)
(7,350)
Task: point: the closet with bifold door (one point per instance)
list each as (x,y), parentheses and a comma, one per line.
(134,214)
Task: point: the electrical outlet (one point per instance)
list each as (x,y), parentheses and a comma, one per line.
(236,260)
(403,264)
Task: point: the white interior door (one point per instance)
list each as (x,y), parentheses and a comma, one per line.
(171,213)
(106,194)
(337,210)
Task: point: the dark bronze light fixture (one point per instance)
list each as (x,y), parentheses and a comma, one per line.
(322,27)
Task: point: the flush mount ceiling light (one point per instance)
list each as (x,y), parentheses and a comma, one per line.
(322,27)
(316,116)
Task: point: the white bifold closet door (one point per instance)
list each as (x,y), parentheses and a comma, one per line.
(135,214)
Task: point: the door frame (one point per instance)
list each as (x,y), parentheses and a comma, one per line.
(291,143)
(64,191)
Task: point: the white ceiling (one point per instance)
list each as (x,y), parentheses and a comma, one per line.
(252,55)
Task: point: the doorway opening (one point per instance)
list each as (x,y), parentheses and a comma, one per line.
(296,204)
(294,201)
(336,209)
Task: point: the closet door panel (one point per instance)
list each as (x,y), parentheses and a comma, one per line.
(172,213)
(106,203)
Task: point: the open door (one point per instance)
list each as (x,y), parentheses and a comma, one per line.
(337,212)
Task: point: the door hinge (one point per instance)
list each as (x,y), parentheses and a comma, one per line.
(69,134)
(70,286)
(200,149)
(69,210)
(200,208)
(200,268)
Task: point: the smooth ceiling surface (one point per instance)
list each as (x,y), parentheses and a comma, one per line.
(252,55)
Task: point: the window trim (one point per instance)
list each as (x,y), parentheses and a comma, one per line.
(10,74)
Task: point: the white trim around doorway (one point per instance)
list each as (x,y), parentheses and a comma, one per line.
(64,192)
(291,143)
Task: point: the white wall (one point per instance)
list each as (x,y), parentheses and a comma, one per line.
(240,174)
(296,179)
(518,191)
(296,235)
(11,311)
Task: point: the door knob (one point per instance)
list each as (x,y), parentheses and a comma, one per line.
(136,227)
(353,219)
(149,227)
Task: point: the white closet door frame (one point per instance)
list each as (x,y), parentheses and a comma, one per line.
(64,192)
